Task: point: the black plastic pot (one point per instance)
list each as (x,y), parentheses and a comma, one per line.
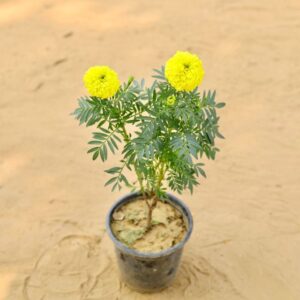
(149,272)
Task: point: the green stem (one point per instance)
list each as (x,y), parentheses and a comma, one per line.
(161,175)
(140,180)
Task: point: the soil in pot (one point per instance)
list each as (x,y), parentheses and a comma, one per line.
(129,225)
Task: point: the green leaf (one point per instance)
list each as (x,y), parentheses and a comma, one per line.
(95,155)
(219,135)
(111,147)
(94,142)
(110,181)
(113,170)
(93,149)
(202,172)
(220,105)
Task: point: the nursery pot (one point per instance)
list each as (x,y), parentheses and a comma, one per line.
(149,271)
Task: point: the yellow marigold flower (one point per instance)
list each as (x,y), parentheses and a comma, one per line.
(171,100)
(184,71)
(101,81)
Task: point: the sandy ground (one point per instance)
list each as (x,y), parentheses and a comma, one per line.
(246,242)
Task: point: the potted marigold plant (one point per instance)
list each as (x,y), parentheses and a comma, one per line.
(163,131)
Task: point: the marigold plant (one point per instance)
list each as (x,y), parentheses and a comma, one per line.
(174,126)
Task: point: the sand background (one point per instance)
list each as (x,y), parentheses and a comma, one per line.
(246,241)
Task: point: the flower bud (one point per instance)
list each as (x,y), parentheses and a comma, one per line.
(171,100)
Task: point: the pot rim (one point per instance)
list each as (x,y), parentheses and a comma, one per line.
(173,199)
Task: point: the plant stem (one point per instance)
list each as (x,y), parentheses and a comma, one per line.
(140,180)
(151,206)
(154,199)
(149,216)
(161,175)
